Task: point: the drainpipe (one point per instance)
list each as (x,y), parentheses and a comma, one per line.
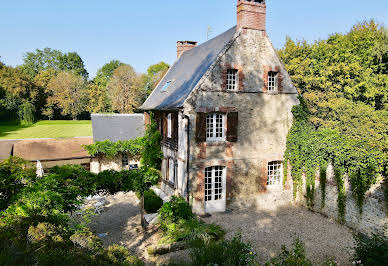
(188,157)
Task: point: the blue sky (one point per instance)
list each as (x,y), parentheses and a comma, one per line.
(142,33)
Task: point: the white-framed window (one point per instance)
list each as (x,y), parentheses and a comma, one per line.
(275,173)
(213,183)
(215,127)
(169,126)
(231,79)
(272,81)
(124,160)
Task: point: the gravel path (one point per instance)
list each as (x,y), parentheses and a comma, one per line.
(265,229)
(268,229)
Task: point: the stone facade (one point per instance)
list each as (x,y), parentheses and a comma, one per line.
(100,164)
(263,123)
(374,217)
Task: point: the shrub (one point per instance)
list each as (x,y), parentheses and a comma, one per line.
(177,209)
(228,253)
(371,251)
(152,202)
(296,256)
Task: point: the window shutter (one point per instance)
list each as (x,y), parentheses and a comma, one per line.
(200,133)
(164,126)
(232,127)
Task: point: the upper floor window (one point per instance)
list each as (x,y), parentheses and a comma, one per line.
(272,81)
(231,79)
(215,127)
(169,126)
(275,173)
(124,160)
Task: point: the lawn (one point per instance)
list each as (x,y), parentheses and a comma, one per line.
(46,129)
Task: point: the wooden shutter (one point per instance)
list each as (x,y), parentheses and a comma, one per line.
(164,125)
(232,127)
(200,133)
(174,126)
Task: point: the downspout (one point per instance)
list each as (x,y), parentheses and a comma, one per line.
(187,157)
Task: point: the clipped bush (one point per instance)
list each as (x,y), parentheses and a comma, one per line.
(152,202)
(227,253)
(295,256)
(371,251)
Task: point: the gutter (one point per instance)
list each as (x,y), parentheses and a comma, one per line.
(188,157)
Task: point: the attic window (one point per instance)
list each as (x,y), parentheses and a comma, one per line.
(272,81)
(165,87)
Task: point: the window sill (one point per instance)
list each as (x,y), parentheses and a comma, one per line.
(272,92)
(216,143)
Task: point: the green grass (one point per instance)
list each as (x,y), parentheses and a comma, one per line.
(46,129)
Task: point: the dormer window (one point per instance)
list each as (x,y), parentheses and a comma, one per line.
(231,79)
(272,81)
(165,87)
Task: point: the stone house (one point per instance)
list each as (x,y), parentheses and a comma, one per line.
(224,111)
(116,127)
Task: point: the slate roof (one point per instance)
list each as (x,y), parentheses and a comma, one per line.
(186,73)
(115,127)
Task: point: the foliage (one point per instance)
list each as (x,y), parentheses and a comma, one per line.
(124,89)
(341,200)
(152,202)
(154,74)
(371,251)
(67,91)
(14,175)
(175,210)
(105,73)
(37,228)
(225,253)
(296,256)
(152,154)
(26,114)
(111,149)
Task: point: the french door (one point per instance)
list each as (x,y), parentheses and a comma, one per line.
(215,189)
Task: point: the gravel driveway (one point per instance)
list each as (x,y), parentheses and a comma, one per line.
(265,229)
(268,229)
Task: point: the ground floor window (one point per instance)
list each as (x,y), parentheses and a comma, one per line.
(275,173)
(124,160)
(213,183)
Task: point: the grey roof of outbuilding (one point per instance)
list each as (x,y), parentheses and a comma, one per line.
(115,127)
(186,73)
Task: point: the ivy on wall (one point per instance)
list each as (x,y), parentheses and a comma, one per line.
(147,149)
(310,149)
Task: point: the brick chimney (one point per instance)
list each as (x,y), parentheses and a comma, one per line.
(183,46)
(251,14)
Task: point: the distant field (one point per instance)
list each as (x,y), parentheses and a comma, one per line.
(46,129)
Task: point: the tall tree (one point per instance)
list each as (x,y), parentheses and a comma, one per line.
(74,63)
(105,73)
(34,62)
(125,89)
(39,60)
(154,74)
(67,91)
(98,99)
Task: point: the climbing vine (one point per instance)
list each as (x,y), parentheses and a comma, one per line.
(310,149)
(341,200)
(147,149)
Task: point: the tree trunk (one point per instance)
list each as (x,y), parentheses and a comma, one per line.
(142,210)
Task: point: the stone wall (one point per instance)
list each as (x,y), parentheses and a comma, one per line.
(100,164)
(374,217)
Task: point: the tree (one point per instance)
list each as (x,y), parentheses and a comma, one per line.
(74,63)
(34,62)
(98,99)
(125,89)
(67,91)
(154,74)
(41,81)
(105,73)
